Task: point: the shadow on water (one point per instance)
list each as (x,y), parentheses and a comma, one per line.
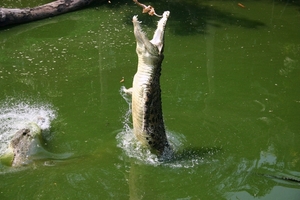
(285,2)
(187,17)
(192,153)
(193,17)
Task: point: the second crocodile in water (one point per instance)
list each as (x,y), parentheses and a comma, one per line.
(148,124)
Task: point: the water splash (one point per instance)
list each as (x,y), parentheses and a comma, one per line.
(14,113)
(182,158)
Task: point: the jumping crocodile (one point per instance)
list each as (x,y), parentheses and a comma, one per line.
(148,124)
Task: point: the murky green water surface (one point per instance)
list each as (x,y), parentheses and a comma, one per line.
(231,100)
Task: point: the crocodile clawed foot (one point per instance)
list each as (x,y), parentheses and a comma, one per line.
(126,91)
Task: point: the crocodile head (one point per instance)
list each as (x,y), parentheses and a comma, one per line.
(153,47)
(21,144)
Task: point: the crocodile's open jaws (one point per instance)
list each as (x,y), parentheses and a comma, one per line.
(148,124)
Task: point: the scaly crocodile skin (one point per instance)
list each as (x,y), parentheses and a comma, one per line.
(148,124)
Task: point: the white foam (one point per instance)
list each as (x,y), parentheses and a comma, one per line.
(15,113)
(133,148)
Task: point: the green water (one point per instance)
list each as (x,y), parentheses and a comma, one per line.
(230,90)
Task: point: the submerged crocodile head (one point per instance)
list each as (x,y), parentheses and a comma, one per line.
(148,124)
(27,146)
(21,144)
